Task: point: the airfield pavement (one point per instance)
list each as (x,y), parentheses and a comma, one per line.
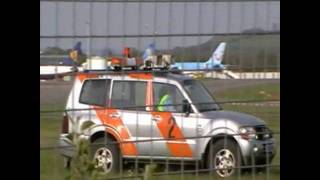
(56,91)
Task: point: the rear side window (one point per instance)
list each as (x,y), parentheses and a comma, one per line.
(130,95)
(95,92)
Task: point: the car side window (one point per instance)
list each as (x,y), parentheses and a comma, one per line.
(167,97)
(129,95)
(95,92)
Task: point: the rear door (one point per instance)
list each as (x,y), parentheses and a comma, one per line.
(94,95)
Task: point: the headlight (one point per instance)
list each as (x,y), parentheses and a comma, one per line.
(247,133)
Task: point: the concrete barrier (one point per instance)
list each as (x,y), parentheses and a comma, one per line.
(243,75)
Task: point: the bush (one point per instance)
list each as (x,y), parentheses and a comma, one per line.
(82,166)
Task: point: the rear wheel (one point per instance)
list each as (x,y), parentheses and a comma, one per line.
(224,157)
(106,156)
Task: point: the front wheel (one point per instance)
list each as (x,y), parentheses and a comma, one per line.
(224,157)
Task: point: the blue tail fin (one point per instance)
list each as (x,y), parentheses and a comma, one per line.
(77,47)
(149,51)
(76,51)
(73,54)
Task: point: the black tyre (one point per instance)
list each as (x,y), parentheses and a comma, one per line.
(224,156)
(106,155)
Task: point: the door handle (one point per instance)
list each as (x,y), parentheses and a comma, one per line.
(156,118)
(114,115)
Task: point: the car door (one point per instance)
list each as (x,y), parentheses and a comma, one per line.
(129,99)
(172,123)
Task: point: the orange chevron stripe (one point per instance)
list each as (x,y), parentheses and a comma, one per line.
(149,98)
(115,123)
(169,129)
(119,127)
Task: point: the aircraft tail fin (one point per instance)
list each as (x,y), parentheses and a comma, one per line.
(76,51)
(217,55)
(149,51)
(73,54)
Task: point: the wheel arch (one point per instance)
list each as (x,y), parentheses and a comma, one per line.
(215,139)
(100,134)
(103,131)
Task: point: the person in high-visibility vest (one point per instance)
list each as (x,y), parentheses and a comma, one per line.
(166,100)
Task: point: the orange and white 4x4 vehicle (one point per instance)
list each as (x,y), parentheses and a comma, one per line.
(163,116)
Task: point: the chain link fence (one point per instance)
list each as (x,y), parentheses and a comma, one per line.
(190,30)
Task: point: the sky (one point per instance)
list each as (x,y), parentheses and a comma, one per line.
(68,18)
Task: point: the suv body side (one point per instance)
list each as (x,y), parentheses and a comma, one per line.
(150,133)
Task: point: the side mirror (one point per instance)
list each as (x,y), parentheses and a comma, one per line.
(186,107)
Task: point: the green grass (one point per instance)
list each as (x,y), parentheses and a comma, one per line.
(254,92)
(50,126)
(51,163)
(52,107)
(245,176)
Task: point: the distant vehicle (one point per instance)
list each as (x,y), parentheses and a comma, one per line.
(214,62)
(132,115)
(53,66)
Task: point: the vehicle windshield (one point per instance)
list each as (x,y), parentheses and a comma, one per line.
(200,96)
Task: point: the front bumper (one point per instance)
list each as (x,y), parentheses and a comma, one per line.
(258,152)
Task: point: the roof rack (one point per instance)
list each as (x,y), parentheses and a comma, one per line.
(153,63)
(158,71)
